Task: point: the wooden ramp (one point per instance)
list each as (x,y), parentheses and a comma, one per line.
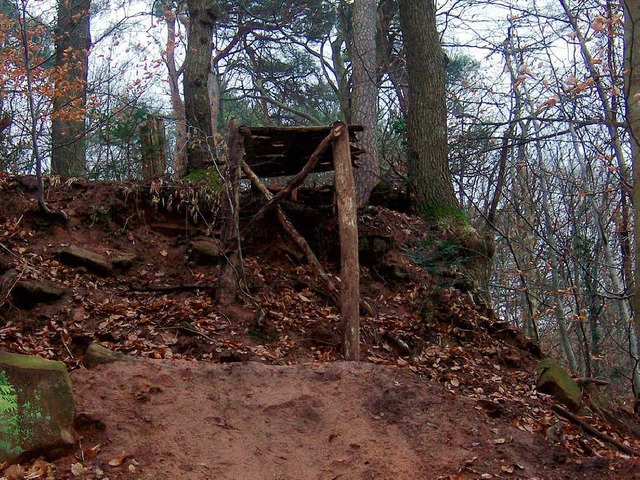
(296,151)
(283,151)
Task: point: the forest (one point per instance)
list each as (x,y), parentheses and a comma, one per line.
(517,119)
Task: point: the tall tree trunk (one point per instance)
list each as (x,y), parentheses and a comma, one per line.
(632,94)
(180,152)
(197,64)
(72,39)
(427,153)
(391,64)
(365,95)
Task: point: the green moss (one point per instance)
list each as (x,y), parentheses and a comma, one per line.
(438,256)
(447,214)
(30,362)
(209,177)
(554,380)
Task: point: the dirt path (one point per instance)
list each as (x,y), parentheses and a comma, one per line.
(194,420)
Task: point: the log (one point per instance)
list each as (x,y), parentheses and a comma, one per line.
(228,282)
(593,431)
(348,227)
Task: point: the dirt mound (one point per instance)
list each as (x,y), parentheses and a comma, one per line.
(323,421)
(446,389)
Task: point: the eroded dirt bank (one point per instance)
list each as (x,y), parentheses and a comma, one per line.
(194,420)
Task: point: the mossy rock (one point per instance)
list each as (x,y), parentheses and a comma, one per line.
(556,381)
(98,355)
(36,407)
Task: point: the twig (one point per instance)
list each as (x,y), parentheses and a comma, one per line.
(586,380)
(66,346)
(188,328)
(593,431)
(169,288)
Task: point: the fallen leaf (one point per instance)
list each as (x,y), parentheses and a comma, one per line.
(117,461)
(77,469)
(508,468)
(90,453)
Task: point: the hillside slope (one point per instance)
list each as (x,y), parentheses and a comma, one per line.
(446,390)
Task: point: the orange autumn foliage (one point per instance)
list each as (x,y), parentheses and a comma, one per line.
(47,81)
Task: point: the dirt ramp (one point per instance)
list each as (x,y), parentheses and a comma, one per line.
(194,420)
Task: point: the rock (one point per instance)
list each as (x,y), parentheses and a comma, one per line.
(29,293)
(205,252)
(96,355)
(124,262)
(36,407)
(79,257)
(555,381)
(173,230)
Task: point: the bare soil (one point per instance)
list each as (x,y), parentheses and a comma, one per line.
(316,421)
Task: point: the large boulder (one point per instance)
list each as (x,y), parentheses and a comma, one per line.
(80,257)
(36,407)
(555,381)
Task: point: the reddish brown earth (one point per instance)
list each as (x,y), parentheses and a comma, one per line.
(259,390)
(313,421)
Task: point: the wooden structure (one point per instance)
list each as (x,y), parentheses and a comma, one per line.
(297,151)
(282,151)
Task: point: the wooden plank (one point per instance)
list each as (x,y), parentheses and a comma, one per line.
(349,263)
(296,238)
(293,145)
(338,131)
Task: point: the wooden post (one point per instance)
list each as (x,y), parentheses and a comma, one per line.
(348,226)
(228,282)
(154,147)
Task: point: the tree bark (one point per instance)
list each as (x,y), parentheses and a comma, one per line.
(197,64)
(430,180)
(348,226)
(365,95)
(174,73)
(154,146)
(632,94)
(72,39)
(230,269)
